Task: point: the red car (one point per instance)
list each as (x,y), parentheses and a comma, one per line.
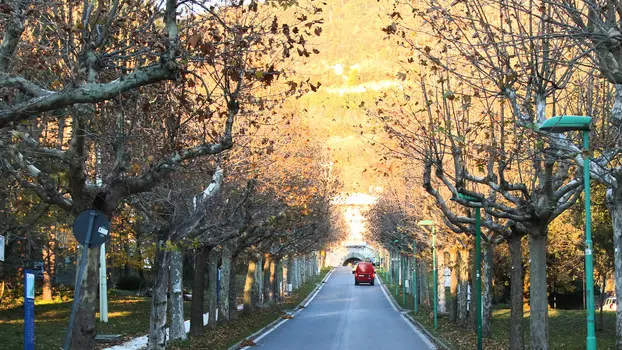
(364,273)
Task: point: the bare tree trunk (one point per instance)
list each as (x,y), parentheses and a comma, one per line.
(267,279)
(128,270)
(49,260)
(487,298)
(300,271)
(614,202)
(517,341)
(83,332)
(425,284)
(177,328)
(198,292)
(307,264)
(278,279)
(225,285)
(272,281)
(300,262)
(440,277)
(316,263)
(258,288)
(138,255)
(285,276)
(295,273)
(233,290)
(212,287)
(159,300)
(602,301)
(538,301)
(291,271)
(306,268)
(249,286)
(463,283)
(453,286)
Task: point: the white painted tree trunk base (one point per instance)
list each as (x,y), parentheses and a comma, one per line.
(140,343)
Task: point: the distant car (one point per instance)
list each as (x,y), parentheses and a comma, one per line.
(610,304)
(354,264)
(365,273)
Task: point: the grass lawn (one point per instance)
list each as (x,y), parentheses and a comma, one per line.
(128,315)
(567,329)
(247,323)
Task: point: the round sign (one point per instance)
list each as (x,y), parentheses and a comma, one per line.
(100,231)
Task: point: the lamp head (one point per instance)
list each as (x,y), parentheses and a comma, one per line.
(566,123)
(466,197)
(426,223)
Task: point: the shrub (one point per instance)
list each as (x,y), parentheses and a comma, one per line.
(131,282)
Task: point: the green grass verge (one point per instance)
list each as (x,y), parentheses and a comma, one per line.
(128,316)
(567,329)
(247,323)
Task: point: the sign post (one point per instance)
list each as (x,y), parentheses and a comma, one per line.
(218,288)
(83,227)
(29,310)
(103,285)
(1,248)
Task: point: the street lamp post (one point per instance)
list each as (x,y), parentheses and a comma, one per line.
(581,123)
(384,267)
(478,267)
(390,267)
(396,279)
(397,275)
(415,301)
(431,223)
(403,274)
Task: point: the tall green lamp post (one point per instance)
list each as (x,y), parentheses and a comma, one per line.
(563,124)
(403,274)
(478,267)
(396,278)
(415,299)
(431,223)
(390,267)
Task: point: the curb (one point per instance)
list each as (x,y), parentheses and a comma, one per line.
(406,314)
(274,324)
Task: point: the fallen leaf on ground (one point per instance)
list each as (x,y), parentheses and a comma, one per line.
(247,342)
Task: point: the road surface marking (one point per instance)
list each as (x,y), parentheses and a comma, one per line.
(294,314)
(410,324)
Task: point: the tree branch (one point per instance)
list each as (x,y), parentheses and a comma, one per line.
(13,31)
(87,93)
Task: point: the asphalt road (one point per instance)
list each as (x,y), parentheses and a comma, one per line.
(343,316)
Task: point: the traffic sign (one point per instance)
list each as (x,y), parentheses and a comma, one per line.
(101,227)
